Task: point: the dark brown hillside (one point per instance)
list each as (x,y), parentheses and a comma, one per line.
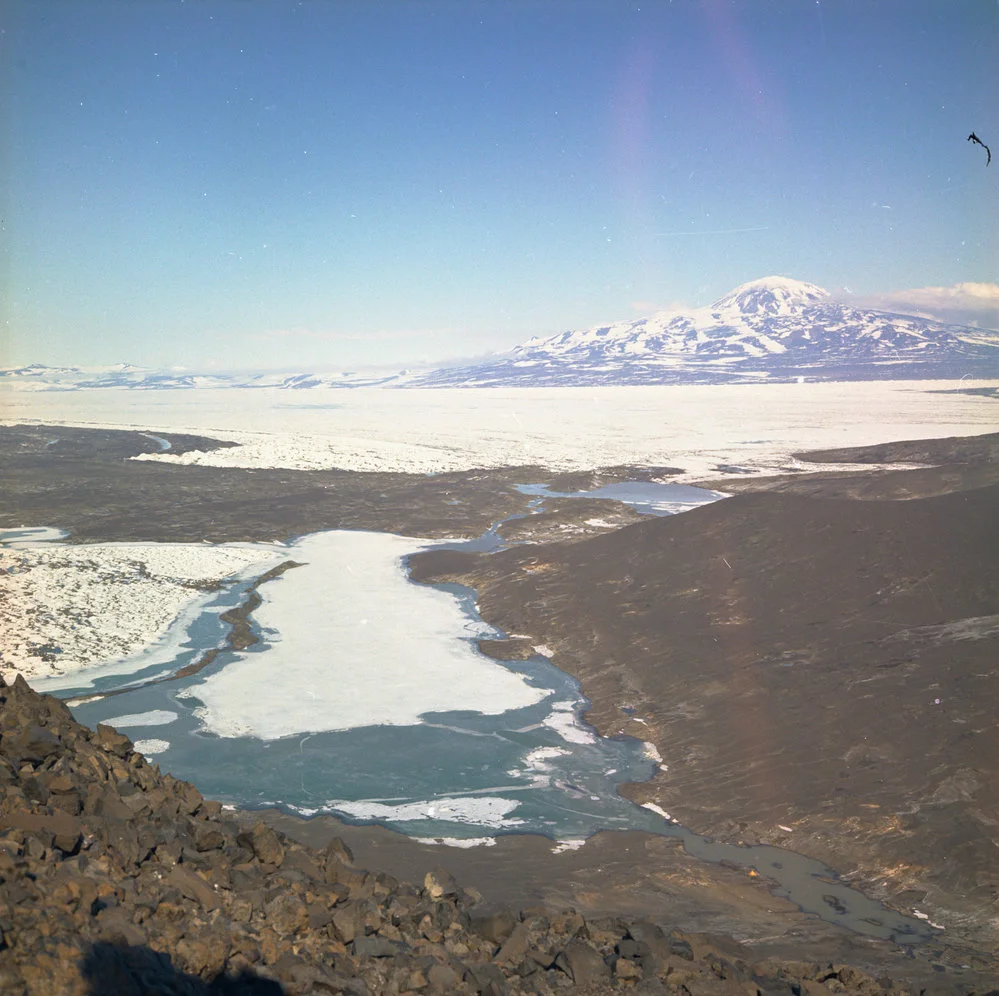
(823,665)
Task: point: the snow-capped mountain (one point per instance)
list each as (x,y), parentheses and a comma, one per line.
(770,329)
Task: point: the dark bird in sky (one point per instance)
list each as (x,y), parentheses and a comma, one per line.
(974,138)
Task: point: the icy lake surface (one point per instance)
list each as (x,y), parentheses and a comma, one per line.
(367,696)
(353,643)
(644,496)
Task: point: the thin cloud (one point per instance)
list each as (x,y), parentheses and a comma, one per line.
(710,231)
(967,303)
(381,335)
(654,308)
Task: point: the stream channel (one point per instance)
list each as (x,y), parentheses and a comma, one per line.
(247,727)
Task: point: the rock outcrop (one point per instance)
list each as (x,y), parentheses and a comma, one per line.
(117,879)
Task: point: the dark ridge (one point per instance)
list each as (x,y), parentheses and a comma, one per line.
(949,450)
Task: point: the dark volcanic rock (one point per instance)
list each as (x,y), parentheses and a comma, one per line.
(86,484)
(148,888)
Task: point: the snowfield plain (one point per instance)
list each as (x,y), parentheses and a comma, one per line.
(64,607)
(102,603)
(757,426)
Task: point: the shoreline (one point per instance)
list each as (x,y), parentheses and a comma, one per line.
(177,885)
(239,637)
(99,604)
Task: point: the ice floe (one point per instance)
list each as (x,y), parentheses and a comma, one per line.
(149,748)
(155,717)
(487,811)
(564,721)
(537,765)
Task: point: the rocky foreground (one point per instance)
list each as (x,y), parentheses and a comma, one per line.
(117,879)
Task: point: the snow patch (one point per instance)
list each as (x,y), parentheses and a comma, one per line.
(652,753)
(65,607)
(562,846)
(659,810)
(463,842)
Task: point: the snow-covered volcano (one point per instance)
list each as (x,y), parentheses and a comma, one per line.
(770,329)
(771,296)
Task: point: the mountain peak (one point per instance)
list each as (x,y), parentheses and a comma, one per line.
(771,296)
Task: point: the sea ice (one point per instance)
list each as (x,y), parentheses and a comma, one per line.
(695,427)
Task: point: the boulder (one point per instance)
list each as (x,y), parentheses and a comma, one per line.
(583,964)
(264,843)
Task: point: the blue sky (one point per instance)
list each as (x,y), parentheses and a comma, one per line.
(334,184)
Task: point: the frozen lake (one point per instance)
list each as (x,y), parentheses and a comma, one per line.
(366,696)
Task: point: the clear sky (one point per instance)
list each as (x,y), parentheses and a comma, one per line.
(330,184)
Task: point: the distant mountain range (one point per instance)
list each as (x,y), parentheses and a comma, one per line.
(775,329)
(37,377)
